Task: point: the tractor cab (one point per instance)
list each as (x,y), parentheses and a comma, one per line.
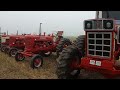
(102,43)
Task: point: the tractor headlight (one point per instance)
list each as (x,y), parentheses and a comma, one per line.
(88,24)
(108,24)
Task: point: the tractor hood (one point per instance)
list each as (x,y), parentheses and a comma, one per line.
(46,38)
(37,37)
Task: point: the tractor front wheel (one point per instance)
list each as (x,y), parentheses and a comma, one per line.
(19,57)
(13,52)
(6,50)
(3,48)
(36,61)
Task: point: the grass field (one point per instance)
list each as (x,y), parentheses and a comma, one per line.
(10,69)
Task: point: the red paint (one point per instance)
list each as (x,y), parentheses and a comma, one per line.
(34,44)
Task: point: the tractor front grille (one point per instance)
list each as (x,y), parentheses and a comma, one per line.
(99,44)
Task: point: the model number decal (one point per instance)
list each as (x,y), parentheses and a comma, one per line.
(97,63)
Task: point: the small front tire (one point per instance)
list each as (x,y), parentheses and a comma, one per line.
(36,61)
(19,57)
(12,52)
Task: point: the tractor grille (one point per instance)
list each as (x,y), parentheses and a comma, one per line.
(99,44)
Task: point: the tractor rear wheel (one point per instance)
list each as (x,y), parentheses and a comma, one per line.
(80,43)
(64,42)
(3,48)
(19,57)
(36,61)
(70,55)
(12,52)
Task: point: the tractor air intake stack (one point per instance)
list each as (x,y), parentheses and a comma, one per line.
(44,33)
(40,29)
(7,32)
(17,32)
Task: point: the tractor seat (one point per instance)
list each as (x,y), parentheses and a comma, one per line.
(117,63)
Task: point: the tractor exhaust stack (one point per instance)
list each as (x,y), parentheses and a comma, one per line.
(40,31)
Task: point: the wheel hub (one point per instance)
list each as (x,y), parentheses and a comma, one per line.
(13,53)
(37,63)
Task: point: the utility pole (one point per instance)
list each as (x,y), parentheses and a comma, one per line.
(40,31)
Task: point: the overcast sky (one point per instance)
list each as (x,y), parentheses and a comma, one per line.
(71,22)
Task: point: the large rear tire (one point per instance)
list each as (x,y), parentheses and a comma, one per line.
(64,42)
(69,55)
(64,68)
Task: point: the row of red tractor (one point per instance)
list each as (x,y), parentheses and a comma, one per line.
(34,46)
(98,50)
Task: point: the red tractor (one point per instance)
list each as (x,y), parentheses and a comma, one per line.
(4,41)
(37,46)
(16,42)
(98,50)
